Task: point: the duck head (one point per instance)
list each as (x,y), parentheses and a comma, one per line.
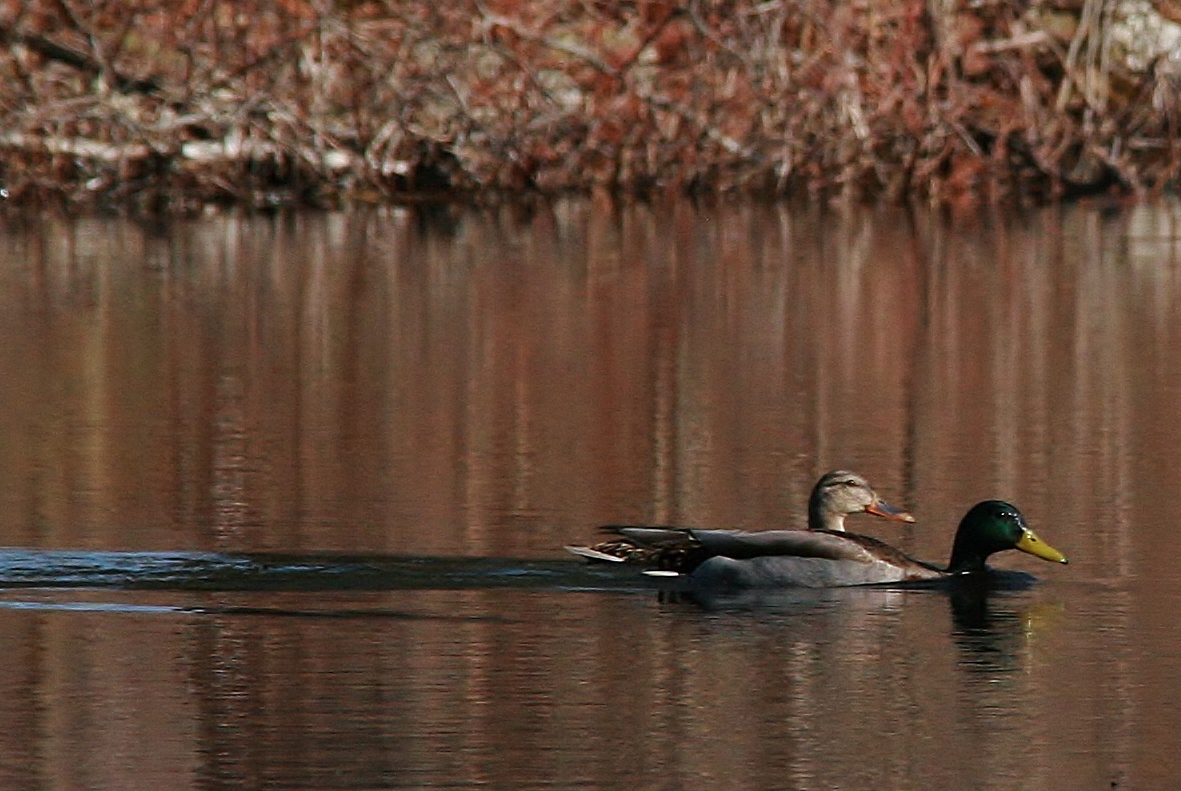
(840,493)
(995,526)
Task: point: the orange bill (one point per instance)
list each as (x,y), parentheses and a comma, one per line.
(886,511)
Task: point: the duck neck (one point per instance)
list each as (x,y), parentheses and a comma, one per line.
(821,519)
(967,554)
(965,563)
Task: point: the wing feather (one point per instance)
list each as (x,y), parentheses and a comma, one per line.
(741,545)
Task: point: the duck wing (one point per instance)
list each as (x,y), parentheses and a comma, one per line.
(667,549)
(744,545)
(825,544)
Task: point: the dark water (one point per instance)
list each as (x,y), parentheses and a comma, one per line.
(285,497)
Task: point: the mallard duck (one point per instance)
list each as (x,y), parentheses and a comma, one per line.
(824,558)
(836,495)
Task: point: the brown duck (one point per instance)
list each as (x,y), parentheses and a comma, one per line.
(836,495)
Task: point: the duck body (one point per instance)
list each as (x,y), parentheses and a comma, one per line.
(836,495)
(818,558)
(842,559)
(796,573)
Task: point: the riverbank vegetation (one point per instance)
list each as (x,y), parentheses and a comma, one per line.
(174,105)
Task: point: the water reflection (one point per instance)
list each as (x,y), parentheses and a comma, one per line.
(488,386)
(493,385)
(989,632)
(455,686)
(992,617)
(569,367)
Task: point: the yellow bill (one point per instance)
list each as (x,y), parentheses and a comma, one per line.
(1029,542)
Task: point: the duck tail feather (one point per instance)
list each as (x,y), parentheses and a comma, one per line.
(650,536)
(590,553)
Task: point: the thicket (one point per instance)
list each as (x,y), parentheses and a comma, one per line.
(168,104)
